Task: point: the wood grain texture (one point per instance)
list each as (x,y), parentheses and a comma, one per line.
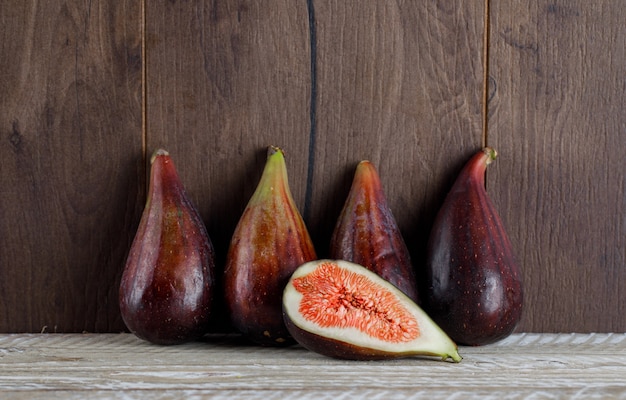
(523,366)
(556,116)
(71,136)
(225,80)
(399,84)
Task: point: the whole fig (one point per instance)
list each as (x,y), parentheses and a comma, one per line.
(474,282)
(167,284)
(366,233)
(269,242)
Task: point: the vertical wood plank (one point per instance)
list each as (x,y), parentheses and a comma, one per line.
(398,83)
(71,134)
(557,119)
(225,80)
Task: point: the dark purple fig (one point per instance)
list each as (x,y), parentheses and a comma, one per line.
(343,310)
(269,243)
(367,234)
(166,289)
(474,282)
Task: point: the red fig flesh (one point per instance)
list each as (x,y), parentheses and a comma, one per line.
(166,288)
(475,289)
(343,310)
(269,243)
(367,234)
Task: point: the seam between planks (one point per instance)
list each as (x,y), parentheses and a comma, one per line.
(144,90)
(485,93)
(312,112)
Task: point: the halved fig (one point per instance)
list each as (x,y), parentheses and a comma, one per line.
(341,309)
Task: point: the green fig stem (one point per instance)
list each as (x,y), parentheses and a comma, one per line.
(158,152)
(456,357)
(491,154)
(271,150)
(274,176)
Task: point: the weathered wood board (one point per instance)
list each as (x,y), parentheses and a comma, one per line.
(524,366)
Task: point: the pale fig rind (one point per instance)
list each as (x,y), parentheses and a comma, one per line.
(269,242)
(367,233)
(166,289)
(367,338)
(474,282)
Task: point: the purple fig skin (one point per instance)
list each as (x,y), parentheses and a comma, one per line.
(268,244)
(166,290)
(366,233)
(337,349)
(343,350)
(475,290)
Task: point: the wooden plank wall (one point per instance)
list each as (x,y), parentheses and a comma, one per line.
(72,173)
(556,114)
(89,90)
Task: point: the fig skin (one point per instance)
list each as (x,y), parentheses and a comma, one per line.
(167,285)
(268,244)
(334,299)
(367,234)
(474,283)
(342,349)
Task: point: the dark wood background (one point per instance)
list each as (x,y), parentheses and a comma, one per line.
(89,89)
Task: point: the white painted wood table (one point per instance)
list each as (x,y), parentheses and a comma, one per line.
(523,366)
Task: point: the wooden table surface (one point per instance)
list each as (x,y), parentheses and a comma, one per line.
(523,366)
